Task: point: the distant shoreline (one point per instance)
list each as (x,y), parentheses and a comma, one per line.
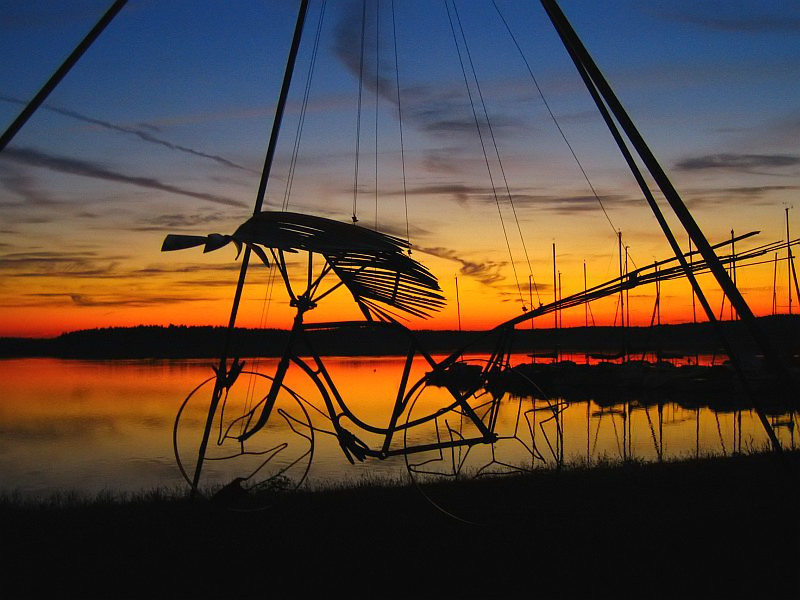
(178,341)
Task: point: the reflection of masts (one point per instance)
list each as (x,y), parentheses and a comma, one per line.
(608,103)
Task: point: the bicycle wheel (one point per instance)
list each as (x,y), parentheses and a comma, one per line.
(276,458)
(445,444)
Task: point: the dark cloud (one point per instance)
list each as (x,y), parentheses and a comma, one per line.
(83,168)
(181,221)
(92,301)
(753,195)
(458,192)
(21,184)
(432,109)
(560,205)
(401,230)
(755,18)
(572,205)
(347,47)
(738,162)
(140,133)
(231,267)
(487,273)
(55,264)
(759,190)
(448,112)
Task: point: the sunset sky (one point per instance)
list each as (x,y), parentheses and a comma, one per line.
(162,127)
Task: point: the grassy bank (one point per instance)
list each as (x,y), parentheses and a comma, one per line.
(698,528)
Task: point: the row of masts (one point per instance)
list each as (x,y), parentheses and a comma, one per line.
(623,305)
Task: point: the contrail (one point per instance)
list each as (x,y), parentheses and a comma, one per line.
(141,134)
(72,166)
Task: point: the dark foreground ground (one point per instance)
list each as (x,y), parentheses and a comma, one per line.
(714,528)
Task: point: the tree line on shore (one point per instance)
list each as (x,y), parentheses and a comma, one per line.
(180,341)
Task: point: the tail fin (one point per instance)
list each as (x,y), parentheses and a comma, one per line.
(181,242)
(211,242)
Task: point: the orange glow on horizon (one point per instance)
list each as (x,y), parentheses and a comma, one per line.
(476,314)
(171,300)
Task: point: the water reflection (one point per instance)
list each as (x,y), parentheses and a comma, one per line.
(94,425)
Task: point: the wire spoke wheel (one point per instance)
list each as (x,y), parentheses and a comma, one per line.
(248,473)
(465,424)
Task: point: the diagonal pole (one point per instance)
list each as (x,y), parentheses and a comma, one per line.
(590,72)
(222,382)
(670,193)
(54,80)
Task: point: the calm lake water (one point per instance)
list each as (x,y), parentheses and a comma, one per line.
(89,426)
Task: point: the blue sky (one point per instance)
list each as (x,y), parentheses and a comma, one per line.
(162,128)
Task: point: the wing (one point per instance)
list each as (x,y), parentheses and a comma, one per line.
(375,267)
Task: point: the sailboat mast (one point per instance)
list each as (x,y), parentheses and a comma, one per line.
(585,304)
(789,260)
(555,300)
(621,291)
(595,81)
(458,305)
(733,257)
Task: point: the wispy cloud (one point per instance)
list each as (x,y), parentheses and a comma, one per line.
(85,300)
(754,18)
(22,185)
(438,110)
(72,166)
(753,195)
(738,162)
(181,221)
(487,272)
(347,47)
(55,264)
(140,133)
(457,192)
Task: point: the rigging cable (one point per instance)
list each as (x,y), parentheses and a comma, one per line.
(303,111)
(553,117)
(262,324)
(358,111)
(377,97)
(400,124)
(483,144)
(502,172)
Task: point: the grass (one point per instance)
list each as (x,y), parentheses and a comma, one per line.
(691,528)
